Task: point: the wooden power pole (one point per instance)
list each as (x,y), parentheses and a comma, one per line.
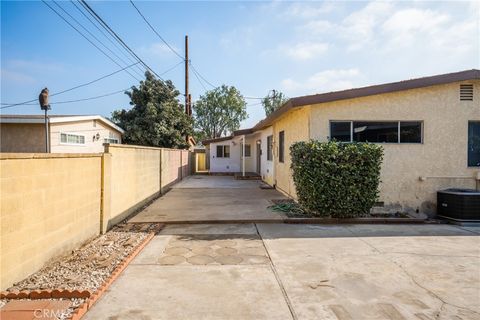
(187,102)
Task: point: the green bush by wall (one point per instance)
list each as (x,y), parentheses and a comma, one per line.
(336,179)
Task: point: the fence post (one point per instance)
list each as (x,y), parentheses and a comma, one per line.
(105,191)
(160,173)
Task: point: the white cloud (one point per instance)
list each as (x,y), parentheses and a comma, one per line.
(305,50)
(303,10)
(405,26)
(158,49)
(359,27)
(316,27)
(16,77)
(323,81)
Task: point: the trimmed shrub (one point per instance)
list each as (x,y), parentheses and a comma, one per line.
(334,179)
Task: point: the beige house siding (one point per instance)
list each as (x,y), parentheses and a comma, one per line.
(442,154)
(22,137)
(295,124)
(87,128)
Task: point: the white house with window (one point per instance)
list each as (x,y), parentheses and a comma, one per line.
(428,127)
(226,153)
(67,134)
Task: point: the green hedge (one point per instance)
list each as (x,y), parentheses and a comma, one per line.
(335,179)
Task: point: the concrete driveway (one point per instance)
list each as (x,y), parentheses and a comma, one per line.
(281,271)
(213,199)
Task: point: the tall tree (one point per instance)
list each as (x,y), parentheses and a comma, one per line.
(157,118)
(273,101)
(219,111)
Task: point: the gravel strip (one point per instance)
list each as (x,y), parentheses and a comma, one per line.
(88,267)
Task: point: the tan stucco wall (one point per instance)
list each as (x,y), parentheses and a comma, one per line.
(22,137)
(443,153)
(175,166)
(136,174)
(50,204)
(296,126)
(87,128)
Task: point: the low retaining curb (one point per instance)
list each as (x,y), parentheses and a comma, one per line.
(83,308)
(301,221)
(84,294)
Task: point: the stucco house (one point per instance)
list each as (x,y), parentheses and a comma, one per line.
(67,134)
(429,128)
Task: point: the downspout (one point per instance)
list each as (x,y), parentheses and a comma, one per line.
(243,156)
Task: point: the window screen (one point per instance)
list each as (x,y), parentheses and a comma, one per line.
(248,150)
(269,148)
(411,132)
(474,144)
(281,146)
(375,131)
(340,131)
(72,138)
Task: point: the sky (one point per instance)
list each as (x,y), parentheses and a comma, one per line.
(298,48)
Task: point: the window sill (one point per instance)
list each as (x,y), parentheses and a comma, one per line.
(73,144)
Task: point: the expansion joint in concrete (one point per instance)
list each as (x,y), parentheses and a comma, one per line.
(277,277)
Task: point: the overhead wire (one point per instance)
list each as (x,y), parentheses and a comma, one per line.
(107,36)
(200,81)
(200,75)
(76,100)
(70,89)
(105,25)
(86,38)
(91,34)
(156,32)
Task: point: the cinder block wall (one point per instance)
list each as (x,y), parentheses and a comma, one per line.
(137,175)
(175,166)
(50,204)
(134,179)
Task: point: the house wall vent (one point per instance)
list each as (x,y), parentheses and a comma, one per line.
(466,92)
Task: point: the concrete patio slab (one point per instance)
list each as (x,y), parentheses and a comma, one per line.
(193,292)
(337,272)
(216,182)
(179,229)
(377,272)
(222,201)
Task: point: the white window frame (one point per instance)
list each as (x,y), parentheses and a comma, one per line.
(71,143)
(110,140)
(399,122)
(241,150)
(269,148)
(223,151)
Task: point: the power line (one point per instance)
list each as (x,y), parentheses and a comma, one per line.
(200,81)
(92,12)
(9,105)
(106,35)
(91,34)
(200,75)
(71,25)
(155,31)
(170,69)
(77,100)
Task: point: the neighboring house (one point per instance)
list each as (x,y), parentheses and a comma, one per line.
(429,129)
(67,134)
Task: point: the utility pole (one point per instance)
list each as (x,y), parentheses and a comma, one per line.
(187,102)
(44,105)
